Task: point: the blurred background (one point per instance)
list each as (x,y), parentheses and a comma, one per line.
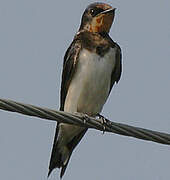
(34,36)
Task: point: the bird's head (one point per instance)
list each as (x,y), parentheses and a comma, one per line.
(97,17)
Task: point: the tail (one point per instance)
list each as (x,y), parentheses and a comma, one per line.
(58,156)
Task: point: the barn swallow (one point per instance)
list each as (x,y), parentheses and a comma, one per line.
(92,65)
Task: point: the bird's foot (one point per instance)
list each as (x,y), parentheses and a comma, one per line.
(84,116)
(103,120)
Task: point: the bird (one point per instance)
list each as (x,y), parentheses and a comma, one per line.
(92,65)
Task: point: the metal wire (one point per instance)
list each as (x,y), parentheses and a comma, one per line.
(85,121)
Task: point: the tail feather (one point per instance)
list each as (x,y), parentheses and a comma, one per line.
(64,168)
(57,159)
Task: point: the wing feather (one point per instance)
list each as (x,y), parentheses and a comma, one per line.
(116,73)
(69,67)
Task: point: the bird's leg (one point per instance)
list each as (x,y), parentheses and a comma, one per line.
(103,121)
(84,116)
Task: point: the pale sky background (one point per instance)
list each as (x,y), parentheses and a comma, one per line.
(34,36)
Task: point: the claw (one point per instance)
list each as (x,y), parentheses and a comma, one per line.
(85,117)
(103,121)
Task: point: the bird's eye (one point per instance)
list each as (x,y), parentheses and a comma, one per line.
(95,11)
(92,12)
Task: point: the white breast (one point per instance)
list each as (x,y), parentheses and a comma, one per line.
(90,85)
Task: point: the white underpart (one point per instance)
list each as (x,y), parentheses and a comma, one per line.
(90,85)
(88,90)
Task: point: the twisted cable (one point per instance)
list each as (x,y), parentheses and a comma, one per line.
(85,121)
